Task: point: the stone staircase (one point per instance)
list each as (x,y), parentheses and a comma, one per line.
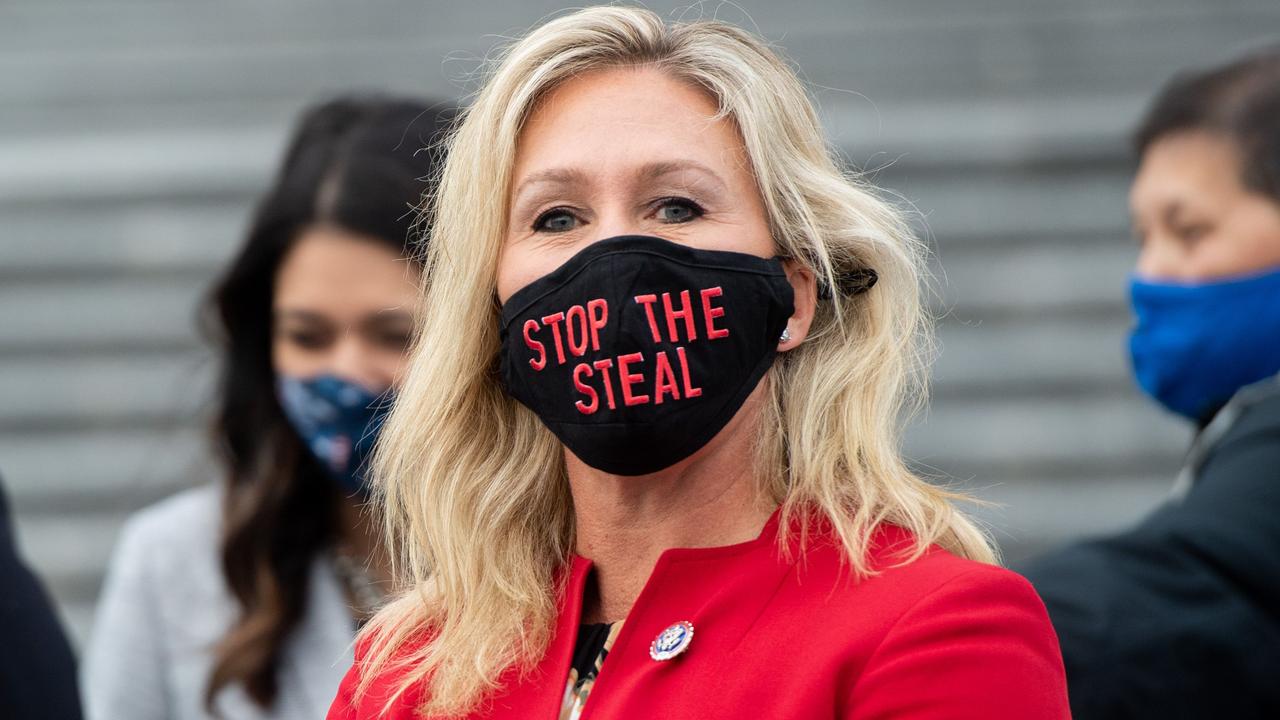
(134,135)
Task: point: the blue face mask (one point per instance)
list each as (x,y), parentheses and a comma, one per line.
(1195,345)
(338,421)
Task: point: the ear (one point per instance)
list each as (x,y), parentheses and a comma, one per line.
(805,286)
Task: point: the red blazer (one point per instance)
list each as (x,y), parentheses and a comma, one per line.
(939,638)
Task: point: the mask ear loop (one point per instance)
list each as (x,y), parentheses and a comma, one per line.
(851,283)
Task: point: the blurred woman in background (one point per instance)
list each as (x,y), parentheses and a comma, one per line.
(242,600)
(1180,617)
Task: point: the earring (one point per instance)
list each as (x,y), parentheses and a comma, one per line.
(786,335)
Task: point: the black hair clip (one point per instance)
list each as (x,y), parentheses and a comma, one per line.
(854,282)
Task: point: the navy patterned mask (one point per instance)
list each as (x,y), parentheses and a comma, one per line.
(338,421)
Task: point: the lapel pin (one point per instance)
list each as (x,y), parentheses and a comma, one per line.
(672,641)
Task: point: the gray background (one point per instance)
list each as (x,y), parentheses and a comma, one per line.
(135,135)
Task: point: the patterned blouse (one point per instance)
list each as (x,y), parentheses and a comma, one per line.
(594,642)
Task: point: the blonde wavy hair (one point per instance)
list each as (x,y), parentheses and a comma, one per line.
(473,487)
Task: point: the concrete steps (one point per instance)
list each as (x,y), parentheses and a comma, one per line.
(135,135)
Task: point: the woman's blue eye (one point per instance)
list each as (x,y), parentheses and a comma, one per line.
(678,210)
(555,220)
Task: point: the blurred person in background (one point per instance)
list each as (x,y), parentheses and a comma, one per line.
(37,669)
(241,600)
(577,486)
(1180,617)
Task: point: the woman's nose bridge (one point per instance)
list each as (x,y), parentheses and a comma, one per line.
(1159,259)
(617,217)
(352,359)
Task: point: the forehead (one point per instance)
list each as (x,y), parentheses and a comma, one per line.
(612,119)
(332,267)
(1191,166)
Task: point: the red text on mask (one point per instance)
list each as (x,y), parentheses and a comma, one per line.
(664,385)
(629,379)
(580,324)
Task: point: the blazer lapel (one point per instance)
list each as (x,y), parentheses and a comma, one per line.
(539,694)
(721,591)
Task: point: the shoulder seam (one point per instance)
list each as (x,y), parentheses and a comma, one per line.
(920,601)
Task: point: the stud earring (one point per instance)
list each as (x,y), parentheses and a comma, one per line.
(786,335)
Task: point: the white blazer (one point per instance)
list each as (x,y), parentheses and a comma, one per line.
(164,606)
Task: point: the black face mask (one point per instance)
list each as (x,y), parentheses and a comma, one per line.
(637,351)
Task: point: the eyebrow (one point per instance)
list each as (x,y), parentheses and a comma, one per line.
(648,172)
(395,314)
(383,323)
(659,170)
(300,315)
(553,176)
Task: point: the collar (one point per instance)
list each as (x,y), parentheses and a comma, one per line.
(686,584)
(1225,419)
(319,651)
(580,566)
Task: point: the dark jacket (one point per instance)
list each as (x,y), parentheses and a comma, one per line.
(1180,617)
(37,670)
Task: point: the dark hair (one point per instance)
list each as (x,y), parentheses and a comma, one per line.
(1240,100)
(362,165)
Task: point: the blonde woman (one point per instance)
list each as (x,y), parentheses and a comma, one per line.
(645,463)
